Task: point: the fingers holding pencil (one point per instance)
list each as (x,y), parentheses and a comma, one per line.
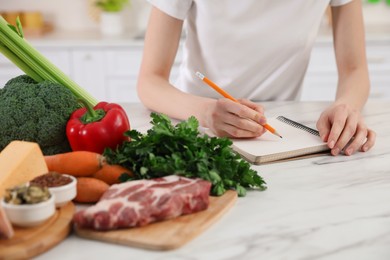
(228,96)
(232,119)
(257,114)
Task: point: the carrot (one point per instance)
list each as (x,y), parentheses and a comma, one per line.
(110,173)
(90,190)
(76,163)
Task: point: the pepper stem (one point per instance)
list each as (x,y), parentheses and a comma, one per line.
(91,115)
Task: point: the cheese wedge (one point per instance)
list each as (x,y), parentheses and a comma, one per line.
(20,162)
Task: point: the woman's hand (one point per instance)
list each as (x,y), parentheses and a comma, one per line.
(343,128)
(238,120)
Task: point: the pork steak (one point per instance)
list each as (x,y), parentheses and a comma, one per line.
(140,202)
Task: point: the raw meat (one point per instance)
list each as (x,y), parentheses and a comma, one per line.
(138,203)
(6,230)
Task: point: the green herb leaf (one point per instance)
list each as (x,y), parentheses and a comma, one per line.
(181,149)
(125,177)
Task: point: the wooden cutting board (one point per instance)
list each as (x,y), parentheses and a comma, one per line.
(168,234)
(30,242)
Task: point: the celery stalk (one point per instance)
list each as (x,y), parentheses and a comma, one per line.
(28,56)
(23,66)
(19,52)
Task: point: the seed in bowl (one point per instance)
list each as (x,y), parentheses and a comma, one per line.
(26,194)
(51,179)
(62,186)
(28,205)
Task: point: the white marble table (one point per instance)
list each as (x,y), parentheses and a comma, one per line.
(317,208)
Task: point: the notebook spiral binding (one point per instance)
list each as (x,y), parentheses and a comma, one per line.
(298,125)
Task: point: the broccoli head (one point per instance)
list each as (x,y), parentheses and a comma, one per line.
(36,112)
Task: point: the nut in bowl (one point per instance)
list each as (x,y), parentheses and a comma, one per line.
(62,186)
(28,205)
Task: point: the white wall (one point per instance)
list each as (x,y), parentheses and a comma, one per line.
(375,14)
(75,14)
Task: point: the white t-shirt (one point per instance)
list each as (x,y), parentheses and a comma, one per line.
(254,49)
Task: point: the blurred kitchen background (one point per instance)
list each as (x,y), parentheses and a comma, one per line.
(74,15)
(76,36)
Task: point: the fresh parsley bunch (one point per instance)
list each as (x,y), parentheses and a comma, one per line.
(167,149)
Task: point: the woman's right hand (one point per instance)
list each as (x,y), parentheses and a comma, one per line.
(227,118)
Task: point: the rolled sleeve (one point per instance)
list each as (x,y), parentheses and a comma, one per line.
(175,8)
(339,2)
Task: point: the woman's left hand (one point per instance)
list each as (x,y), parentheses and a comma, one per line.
(343,128)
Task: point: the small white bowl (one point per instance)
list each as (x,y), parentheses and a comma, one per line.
(64,194)
(29,215)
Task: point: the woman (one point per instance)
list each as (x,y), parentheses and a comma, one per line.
(256,50)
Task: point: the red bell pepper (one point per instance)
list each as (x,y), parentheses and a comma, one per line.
(94,129)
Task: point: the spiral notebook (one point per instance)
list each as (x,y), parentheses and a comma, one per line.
(298,141)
